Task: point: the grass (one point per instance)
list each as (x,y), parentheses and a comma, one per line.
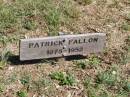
(92,62)
(104,87)
(28,13)
(29,24)
(53,21)
(5,40)
(93,90)
(7,19)
(21,94)
(39,85)
(84,2)
(127,56)
(108,83)
(87,2)
(127,86)
(5,52)
(12,79)
(4,56)
(2,88)
(23,16)
(126,26)
(81,63)
(107,77)
(94,76)
(63,79)
(25,80)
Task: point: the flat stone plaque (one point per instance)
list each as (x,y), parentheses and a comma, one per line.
(58,46)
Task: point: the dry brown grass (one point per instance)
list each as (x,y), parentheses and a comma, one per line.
(105,16)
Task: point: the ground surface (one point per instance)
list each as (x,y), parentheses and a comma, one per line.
(100,75)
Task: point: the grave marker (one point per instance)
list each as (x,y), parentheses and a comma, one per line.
(58,46)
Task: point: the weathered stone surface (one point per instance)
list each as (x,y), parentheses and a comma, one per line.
(58,46)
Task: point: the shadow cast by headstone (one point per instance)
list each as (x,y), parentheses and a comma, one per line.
(15,60)
(75,57)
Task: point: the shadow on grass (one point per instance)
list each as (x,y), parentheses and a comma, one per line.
(75,57)
(15,60)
